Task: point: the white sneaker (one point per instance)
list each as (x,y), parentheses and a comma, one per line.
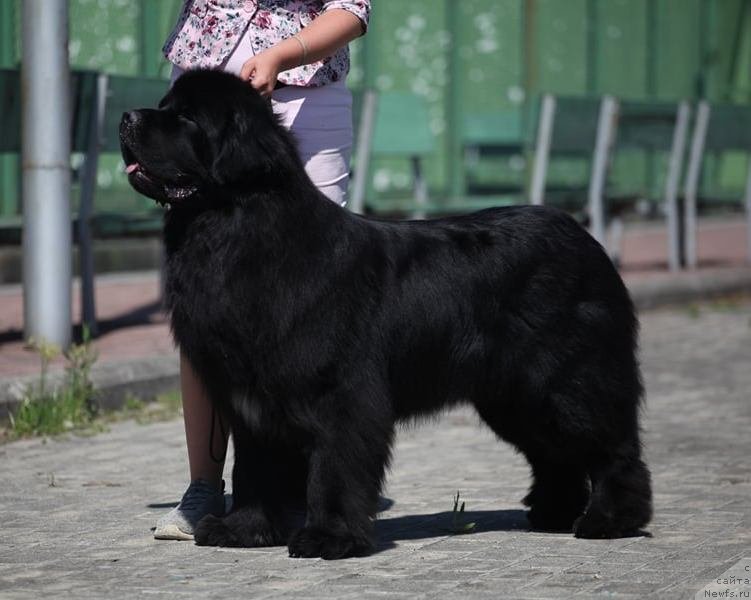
(199,500)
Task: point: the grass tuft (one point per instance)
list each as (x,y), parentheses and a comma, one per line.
(164,407)
(458,525)
(71,406)
(45,410)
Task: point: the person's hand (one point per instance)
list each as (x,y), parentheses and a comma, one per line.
(261,71)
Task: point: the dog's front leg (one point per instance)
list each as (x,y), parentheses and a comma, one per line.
(255,519)
(345,476)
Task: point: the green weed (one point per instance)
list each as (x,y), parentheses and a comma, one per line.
(458,526)
(693,311)
(165,406)
(132,404)
(47,410)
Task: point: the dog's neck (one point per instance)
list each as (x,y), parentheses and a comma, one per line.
(259,217)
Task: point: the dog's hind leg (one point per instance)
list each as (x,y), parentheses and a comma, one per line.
(558,495)
(560,489)
(621,502)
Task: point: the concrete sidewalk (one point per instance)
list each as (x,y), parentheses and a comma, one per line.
(76,512)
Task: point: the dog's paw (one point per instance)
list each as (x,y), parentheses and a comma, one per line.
(213,531)
(594,525)
(237,529)
(311,542)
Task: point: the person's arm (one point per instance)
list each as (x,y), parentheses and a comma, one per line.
(331,30)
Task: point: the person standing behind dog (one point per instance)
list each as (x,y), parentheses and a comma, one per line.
(295,53)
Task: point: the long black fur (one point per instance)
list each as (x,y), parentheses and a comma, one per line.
(316,330)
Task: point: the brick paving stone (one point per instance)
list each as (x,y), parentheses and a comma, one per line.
(77,511)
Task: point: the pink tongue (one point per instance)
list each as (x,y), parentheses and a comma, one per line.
(130,168)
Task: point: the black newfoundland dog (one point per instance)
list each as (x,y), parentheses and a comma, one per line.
(316,330)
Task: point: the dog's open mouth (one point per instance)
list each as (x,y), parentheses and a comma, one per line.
(141,180)
(135,170)
(171,191)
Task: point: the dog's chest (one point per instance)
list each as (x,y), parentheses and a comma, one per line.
(202,290)
(264,418)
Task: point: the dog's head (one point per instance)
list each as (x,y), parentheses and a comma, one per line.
(211,131)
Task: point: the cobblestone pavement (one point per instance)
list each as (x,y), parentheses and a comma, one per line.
(76,512)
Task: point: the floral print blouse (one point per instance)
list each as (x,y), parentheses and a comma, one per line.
(207,32)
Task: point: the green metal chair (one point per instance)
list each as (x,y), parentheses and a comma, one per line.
(105,98)
(83,139)
(396,125)
(717,129)
(490,138)
(124,93)
(10,111)
(98,102)
(659,127)
(10,139)
(391,125)
(580,128)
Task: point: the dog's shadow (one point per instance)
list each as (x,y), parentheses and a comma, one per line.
(390,530)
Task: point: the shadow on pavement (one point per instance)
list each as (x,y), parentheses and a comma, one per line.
(146,314)
(389,531)
(415,527)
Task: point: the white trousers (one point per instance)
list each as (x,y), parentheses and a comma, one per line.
(320,118)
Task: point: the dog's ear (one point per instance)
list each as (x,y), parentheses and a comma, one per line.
(250,149)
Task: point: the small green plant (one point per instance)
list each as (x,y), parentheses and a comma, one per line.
(132,404)
(458,526)
(45,410)
(171,401)
(166,406)
(729,303)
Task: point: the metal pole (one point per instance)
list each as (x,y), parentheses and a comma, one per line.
(542,149)
(86,208)
(420,189)
(365,131)
(454,103)
(606,126)
(45,158)
(691,190)
(672,181)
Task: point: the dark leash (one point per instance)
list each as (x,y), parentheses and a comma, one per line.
(214,417)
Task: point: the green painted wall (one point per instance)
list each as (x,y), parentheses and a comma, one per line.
(466,58)
(493,55)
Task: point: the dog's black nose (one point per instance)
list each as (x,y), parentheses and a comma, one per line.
(131,117)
